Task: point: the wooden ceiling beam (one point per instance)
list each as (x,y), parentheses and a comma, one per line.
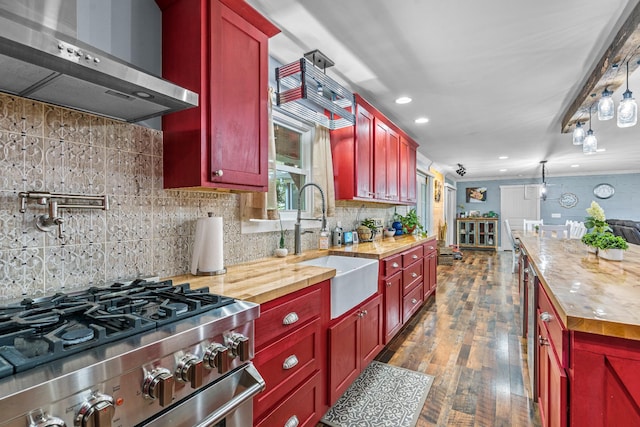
(609,72)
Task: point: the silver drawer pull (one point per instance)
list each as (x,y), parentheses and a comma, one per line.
(414,301)
(395,265)
(546,317)
(290,318)
(290,362)
(414,256)
(430,247)
(414,275)
(292,422)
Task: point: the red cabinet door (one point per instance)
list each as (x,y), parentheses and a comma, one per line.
(407,170)
(392,305)
(552,383)
(430,270)
(393,157)
(380,160)
(344,355)
(364,153)
(239,79)
(371,331)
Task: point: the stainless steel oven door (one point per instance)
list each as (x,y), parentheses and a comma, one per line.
(225,403)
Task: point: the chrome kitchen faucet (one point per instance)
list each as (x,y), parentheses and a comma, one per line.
(297,231)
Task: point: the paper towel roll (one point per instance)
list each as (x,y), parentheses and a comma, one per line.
(208,254)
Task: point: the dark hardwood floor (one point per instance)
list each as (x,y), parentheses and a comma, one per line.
(469,340)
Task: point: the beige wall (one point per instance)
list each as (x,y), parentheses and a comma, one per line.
(147,231)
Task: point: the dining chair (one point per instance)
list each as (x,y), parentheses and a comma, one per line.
(578,230)
(515,248)
(561,231)
(530,224)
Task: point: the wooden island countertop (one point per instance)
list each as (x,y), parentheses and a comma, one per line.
(590,294)
(266,279)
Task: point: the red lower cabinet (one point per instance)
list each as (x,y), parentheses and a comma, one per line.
(302,407)
(291,356)
(354,340)
(552,383)
(604,382)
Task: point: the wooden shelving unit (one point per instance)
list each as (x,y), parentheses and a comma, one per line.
(477,233)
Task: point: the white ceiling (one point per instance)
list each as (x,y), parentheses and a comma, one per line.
(494,77)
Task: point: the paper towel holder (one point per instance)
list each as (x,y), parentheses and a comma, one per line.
(196,255)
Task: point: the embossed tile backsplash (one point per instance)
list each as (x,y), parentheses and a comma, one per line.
(147,231)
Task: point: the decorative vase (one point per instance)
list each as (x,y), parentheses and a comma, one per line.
(611,254)
(281,252)
(410,230)
(397,225)
(365,234)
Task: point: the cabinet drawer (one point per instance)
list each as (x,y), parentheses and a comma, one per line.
(285,363)
(392,265)
(429,247)
(411,256)
(411,303)
(283,318)
(412,276)
(548,316)
(303,405)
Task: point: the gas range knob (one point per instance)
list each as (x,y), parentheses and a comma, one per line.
(190,370)
(97,411)
(239,345)
(39,418)
(159,385)
(216,356)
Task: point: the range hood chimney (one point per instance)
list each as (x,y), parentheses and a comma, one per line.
(39,63)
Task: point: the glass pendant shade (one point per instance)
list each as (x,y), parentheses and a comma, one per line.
(578,134)
(627,110)
(590,144)
(606,109)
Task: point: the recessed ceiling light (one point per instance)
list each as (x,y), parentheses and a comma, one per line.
(600,150)
(503,157)
(503,170)
(403,100)
(575,166)
(422,120)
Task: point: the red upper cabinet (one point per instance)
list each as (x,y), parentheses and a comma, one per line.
(367,159)
(218,49)
(407,170)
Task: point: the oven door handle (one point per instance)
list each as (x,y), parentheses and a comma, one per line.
(237,400)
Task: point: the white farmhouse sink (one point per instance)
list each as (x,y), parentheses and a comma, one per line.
(356,280)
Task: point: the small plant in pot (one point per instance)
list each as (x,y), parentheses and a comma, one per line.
(610,246)
(589,239)
(410,222)
(367,230)
(281,250)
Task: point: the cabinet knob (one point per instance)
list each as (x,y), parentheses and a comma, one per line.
(546,317)
(414,301)
(218,172)
(414,256)
(395,265)
(414,275)
(389,284)
(542,341)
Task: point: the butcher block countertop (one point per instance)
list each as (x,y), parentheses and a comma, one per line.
(590,294)
(270,278)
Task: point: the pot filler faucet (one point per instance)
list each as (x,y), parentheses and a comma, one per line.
(55,201)
(297,231)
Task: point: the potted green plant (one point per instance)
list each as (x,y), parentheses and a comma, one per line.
(590,239)
(610,246)
(367,230)
(410,221)
(281,250)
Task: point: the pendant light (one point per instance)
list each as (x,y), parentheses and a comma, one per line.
(578,134)
(627,109)
(606,109)
(590,144)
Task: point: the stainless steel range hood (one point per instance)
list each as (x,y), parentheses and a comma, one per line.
(39,63)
